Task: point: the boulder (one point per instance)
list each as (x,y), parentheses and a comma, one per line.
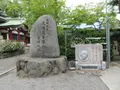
(39,67)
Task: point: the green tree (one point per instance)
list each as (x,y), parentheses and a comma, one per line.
(3,4)
(34,9)
(14,9)
(10,7)
(89,14)
(31,10)
(85,14)
(115,3)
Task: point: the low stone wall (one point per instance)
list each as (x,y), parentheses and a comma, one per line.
(7,55)
(39,67)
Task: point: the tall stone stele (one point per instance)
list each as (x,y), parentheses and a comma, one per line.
(44,39)
(45,56)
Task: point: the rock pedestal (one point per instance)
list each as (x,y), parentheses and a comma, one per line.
(39,67)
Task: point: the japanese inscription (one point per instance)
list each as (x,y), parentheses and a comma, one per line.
(44,41)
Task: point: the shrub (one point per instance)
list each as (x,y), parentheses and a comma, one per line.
(78,36)
(9,47)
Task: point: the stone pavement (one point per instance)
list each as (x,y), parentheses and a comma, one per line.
(8,63)
(72,80)
(111,77)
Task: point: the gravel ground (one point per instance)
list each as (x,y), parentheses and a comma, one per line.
(72,80)
(9,63)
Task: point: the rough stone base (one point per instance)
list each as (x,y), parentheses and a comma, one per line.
(38,67)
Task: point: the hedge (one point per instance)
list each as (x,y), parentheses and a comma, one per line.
(9,48)
(79,36)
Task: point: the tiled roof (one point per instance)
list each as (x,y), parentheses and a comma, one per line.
(11,23)
(2,20)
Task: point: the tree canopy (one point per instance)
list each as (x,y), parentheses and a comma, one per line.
(115,3)
(32,9)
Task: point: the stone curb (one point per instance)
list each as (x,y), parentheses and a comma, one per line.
(7,71)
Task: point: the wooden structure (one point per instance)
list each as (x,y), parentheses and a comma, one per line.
(13,29)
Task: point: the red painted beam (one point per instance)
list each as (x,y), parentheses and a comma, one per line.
(10,35)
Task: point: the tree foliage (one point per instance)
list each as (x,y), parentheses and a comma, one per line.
(3,4)
(31,10)
(85,14)
(14,9)
(34,9)
(115,3)
(10,7)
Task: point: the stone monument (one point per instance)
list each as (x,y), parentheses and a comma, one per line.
(44,56)
(44,39)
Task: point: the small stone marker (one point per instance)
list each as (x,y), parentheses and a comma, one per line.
(43,38)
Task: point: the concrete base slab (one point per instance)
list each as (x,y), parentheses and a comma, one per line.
(38,67)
